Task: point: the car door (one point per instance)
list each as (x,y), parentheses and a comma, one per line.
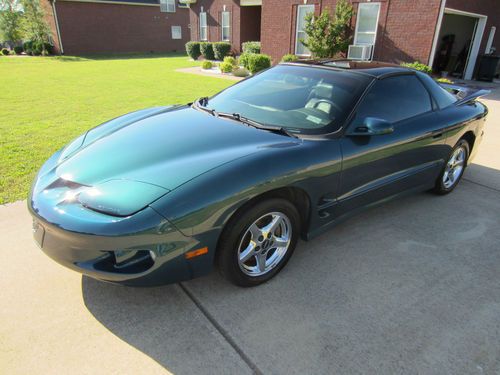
(393,143)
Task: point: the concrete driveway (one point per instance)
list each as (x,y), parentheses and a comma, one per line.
(409,287)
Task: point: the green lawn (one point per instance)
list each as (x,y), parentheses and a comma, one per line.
(46,102)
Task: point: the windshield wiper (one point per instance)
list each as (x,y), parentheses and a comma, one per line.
(256,124)
(202,103)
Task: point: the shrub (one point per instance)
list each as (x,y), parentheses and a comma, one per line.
(251,47)
(289,58)
(5,51)
(240,72)
(207,50)
(258,62)
(193,50)
(206,64)
(226,67)
(18,50)
(37,48)
(230,60)
(418,66)
(221,50)
(243,59)
(328,35)
(27,46)
(444,80)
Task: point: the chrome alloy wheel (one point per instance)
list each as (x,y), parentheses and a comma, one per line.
(454,167)
(264,244)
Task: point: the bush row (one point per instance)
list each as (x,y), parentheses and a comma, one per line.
(210,51)
(418,66)
(4,51)
(36,48)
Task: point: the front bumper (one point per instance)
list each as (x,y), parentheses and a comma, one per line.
(152,254)
(142,249)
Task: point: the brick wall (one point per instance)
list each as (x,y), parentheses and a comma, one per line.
(405,32)
(91,28)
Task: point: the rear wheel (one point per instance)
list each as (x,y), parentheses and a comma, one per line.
(454,168)
(257,244)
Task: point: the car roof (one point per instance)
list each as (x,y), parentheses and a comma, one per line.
(375,69)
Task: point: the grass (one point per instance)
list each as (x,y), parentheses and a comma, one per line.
(47,101)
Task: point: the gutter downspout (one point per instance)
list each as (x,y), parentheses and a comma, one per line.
(61,48)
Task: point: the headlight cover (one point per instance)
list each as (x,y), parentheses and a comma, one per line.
(120,197)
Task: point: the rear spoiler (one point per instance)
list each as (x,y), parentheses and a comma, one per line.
(464,94)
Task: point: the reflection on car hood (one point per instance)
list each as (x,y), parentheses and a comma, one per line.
(162,147)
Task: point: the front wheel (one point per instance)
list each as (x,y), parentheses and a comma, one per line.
(454,168)
(257,244)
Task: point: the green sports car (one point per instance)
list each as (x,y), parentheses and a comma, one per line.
(162,194)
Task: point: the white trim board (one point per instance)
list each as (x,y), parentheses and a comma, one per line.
(437,32)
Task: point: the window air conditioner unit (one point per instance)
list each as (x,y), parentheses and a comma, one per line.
(360,52)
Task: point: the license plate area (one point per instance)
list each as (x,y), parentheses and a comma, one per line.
(38,233)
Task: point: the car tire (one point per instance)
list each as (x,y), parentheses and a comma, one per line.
(249,253)
(454,168)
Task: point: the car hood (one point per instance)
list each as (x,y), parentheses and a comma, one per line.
(165,147)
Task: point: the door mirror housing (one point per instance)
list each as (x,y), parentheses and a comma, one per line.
(372,126)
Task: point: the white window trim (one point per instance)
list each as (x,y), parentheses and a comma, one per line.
(205,26)
(297,41)
(168,4)
(374,33)
(179,28)
(227,26)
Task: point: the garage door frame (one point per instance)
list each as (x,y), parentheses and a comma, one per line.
(476,43)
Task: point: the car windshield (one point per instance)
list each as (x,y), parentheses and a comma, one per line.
(303,99)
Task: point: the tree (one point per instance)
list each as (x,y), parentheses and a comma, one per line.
(327,36)
(10,21)
(36,27)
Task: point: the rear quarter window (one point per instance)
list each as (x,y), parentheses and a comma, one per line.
(442,97)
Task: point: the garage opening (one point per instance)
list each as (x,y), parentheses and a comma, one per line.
(458,44)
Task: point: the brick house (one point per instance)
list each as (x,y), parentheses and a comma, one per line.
(446,34)
(117,26)
(235,21)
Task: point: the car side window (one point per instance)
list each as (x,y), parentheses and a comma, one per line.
(394,99)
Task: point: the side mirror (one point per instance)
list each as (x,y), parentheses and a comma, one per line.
(372,126)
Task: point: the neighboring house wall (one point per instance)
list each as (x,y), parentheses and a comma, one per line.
(51,20)
(93,28)
(405,30)
(244,21)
